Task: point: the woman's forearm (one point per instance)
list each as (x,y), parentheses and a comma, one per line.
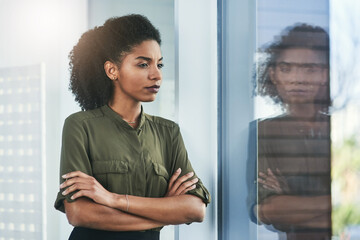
(176,208)
(86,213)
(169,210)
(296,210)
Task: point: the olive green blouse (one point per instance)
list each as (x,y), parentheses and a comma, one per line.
(124,160)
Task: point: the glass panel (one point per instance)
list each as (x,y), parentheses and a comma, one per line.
(291,136)
(236,111)
(303,150)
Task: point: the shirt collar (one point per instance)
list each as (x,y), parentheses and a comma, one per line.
(116,117)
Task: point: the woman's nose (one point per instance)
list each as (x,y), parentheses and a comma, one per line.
(155,73)
(298,77)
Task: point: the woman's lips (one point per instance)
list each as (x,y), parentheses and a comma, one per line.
(153,89)
(299,92)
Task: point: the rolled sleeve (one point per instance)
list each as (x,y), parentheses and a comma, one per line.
(74,155)
(182,161)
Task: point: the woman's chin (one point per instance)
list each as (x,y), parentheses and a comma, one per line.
(148,99)
(298,99)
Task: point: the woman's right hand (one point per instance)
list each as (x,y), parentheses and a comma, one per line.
(276,183)
(86,186)
(178,186)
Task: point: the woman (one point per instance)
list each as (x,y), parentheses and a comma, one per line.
(116,161)
(293,149)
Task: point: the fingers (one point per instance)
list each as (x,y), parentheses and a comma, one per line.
(81,178)
(74,174)
(187,186)
(269,179)
(272,178)
(181,185)
(173,178)
(82,193)
(77,181)
(270,173)
(83,185)
(273,181)
(267,184)
(182,179)
(272,188)
(76,186)
(74,180)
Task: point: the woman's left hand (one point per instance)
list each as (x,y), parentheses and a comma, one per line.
(276,183)
(87,186)
(180,185)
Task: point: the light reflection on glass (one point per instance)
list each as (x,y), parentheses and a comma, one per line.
(293,194)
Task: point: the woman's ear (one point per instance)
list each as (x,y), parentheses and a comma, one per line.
(111,70)
(271,72)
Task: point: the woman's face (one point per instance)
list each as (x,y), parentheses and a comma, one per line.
(300,75)
(139,74)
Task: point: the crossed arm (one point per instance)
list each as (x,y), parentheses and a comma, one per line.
(283,210)
(309,212)
(100,209)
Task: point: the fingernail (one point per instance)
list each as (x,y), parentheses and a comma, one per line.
(61,185)
(64,176)
(196,180)
(72,197)
(178,170)
(64,192)
(191,173)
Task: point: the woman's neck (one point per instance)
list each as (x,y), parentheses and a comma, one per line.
(304,110)
(128,111)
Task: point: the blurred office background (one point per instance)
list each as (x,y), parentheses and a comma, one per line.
(209,49)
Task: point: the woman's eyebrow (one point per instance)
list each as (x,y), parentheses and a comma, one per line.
(148,59)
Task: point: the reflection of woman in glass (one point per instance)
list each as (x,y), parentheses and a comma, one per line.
(294,149)
(125,174)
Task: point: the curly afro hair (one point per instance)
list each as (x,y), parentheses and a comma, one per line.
(300,35)
(118,36)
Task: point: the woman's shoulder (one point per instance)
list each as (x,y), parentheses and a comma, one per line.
(161,121)
(85,115)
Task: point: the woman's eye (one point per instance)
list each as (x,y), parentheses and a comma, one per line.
(143,65)
(160,65)
(312,68)
(285,68)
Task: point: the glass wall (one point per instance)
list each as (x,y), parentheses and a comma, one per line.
(292,122)
(300,120)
